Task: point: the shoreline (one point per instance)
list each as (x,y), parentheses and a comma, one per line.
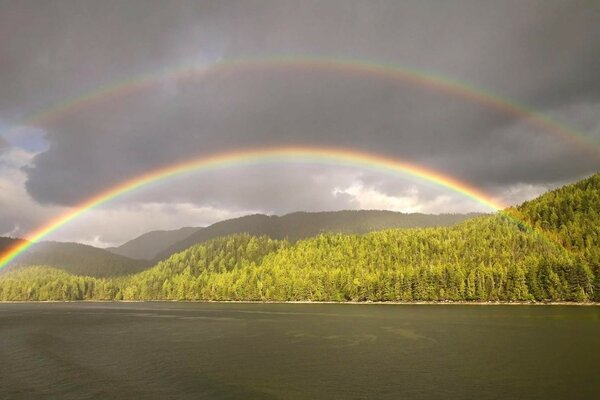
(413,303)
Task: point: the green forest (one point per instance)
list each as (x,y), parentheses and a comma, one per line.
(550,252)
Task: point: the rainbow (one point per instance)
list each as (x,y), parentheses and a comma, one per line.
(334,156)
(335,65)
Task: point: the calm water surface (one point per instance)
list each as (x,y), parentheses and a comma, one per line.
(298,351)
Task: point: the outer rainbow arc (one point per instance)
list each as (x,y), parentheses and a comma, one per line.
(383,71)
(324,155)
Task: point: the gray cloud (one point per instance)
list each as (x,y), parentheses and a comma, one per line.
(541,53)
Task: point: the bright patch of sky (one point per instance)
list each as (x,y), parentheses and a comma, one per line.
(27,138)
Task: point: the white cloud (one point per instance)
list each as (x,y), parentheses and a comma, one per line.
(410,200)
(520,192)
(27,138)
(371,199)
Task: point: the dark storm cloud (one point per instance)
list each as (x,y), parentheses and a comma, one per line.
(542,53)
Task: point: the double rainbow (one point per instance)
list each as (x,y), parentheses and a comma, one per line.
(392,73)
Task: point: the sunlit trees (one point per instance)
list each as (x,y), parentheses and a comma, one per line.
(488,258)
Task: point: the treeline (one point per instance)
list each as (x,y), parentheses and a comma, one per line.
(486,259)
(42,283)
(490,258)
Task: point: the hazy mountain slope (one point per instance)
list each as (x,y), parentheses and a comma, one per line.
(301,225)
(76,259)
(150,244)
(6,243)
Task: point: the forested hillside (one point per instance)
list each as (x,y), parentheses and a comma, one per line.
(484,259)
(488,258)
(571,215)
(301,225)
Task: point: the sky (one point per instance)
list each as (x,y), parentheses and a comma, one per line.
(543,54)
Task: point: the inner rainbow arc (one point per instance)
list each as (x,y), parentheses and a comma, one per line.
(335,156)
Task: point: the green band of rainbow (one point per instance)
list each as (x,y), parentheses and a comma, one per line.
(424,79)
(333,156)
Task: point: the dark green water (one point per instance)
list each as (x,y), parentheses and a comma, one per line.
(297,351)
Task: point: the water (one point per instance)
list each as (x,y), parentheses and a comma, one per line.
(298,351)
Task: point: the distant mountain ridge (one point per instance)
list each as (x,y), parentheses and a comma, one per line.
(150,244)
(301,225)
(144,251)
(74,258)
